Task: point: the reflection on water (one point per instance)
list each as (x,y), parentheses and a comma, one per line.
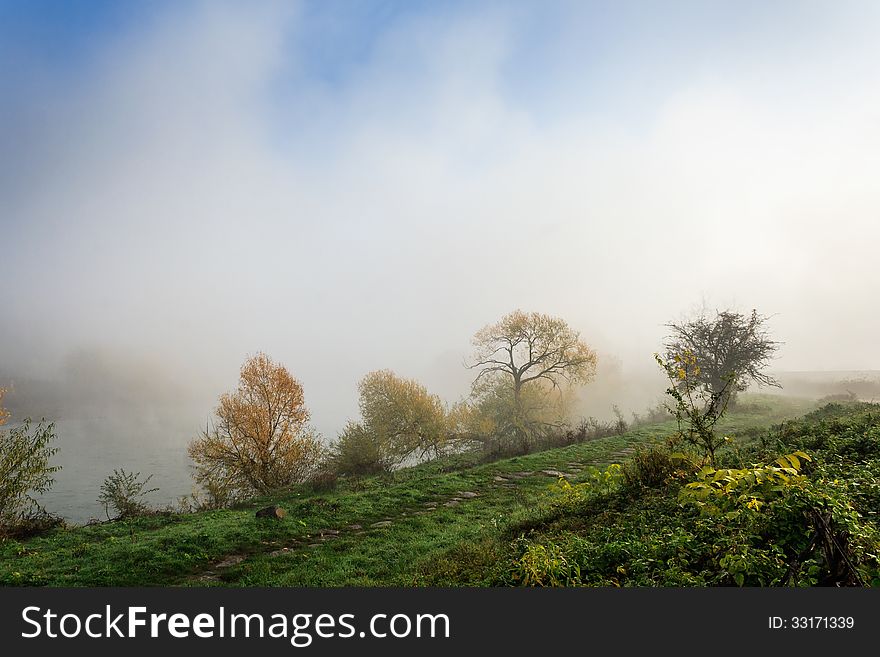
(90,449)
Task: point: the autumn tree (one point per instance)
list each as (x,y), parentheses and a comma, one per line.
(260,439)
(730,351)
(527,352)
(400,421)
(4,414)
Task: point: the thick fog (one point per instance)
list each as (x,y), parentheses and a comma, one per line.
(352,187)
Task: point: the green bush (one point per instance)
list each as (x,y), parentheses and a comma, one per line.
(545,565)
(654,467)
(124,492)
(357,452)
(24,473)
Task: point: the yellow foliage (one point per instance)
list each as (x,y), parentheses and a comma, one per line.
(402,416)
(4,414)
(260,440)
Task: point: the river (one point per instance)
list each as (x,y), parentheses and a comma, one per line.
(89,449)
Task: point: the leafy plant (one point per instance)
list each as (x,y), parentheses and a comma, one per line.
(697,408)
(124,493)
(729,489)
(545,565)
(655,466)
(24,473)
(598,482)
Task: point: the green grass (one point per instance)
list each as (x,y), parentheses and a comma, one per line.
(418,547)
(629,534)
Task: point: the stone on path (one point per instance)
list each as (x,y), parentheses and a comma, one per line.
(521,475)
(555,473)
(230,561)
(468,494)
(381,523)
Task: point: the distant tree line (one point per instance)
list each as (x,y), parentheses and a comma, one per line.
(527,367)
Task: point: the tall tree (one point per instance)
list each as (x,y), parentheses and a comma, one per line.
(528,349)
(260,439)
(731,350)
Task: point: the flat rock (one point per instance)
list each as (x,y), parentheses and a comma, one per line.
(468,494)
(521,475)
(555,473)
(228,562)
(381,523)
(499,478)
(355,527)
(329,532)
(453,502)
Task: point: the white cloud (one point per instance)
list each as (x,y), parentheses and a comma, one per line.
(176,217)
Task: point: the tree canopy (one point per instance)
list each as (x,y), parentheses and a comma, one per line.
(530,351)
(400,420)
(4,414)
(260,439)
(731,350)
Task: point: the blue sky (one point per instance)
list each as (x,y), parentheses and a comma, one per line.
(600,56)
(191,182)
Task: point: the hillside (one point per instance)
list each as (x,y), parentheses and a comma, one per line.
(449,522)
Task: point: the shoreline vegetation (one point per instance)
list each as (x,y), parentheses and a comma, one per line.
(580,514)
(714,487)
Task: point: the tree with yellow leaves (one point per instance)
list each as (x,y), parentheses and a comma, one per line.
(400,421)
(4,414)
(528,352)
(260,440)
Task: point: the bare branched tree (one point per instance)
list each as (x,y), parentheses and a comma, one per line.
(731,350)
(531,348)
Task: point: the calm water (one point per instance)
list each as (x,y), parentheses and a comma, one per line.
(90,449)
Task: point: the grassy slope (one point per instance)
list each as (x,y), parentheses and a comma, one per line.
(231,547)
(642,535)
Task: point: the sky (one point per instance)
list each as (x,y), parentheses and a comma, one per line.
(350,186)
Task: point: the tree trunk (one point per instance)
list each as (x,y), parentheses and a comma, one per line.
(522,434)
